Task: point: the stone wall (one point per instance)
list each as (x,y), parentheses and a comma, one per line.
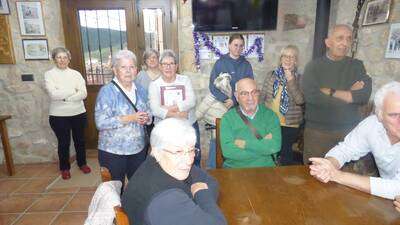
(30,135)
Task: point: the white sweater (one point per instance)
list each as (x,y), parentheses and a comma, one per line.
(187,105)
(67,90)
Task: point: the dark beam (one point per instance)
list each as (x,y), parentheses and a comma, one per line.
(321,27)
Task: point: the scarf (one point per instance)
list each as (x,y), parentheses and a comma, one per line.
(281,79)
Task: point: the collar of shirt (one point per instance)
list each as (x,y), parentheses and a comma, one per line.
(248,115)
(130,93)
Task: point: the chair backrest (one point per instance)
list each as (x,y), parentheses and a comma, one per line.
(218,152)
(120,216)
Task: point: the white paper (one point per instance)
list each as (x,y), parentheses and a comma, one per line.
(221,42)
(172,95)
(250,41)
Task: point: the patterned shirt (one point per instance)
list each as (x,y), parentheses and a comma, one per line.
(115,136)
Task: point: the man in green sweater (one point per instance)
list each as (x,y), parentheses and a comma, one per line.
(240,146)
(334,86)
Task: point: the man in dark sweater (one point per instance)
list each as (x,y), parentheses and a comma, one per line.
(334,86)
(167,189)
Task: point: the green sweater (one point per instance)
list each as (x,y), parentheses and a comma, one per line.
(326,112)
(257,153)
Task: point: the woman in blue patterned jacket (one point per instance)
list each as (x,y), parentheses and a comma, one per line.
(121,112)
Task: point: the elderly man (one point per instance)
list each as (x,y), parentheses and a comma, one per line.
(250,133)
(378,134)
(167,189)
(334,86)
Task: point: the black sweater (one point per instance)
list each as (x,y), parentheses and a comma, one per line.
(153,197)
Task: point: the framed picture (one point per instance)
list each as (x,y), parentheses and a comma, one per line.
(393,45)
(377,12)
(4,9)
(30,18)
(35,49)
(6,45)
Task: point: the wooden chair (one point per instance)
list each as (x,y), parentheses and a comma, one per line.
(120,216)
(218,151)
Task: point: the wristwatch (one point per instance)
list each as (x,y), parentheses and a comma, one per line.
(332,92)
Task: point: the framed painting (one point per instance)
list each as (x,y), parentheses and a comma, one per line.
(377,12)
(4,8)
(35,49)
(393,45)
(30,18)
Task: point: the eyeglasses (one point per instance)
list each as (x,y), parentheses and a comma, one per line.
(168,64)
(182,153)
(290,57)
(252,93)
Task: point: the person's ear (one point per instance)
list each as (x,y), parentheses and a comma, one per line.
(236,95)
(328,42)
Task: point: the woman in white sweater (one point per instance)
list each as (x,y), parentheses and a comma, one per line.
(67,91)
(172,95)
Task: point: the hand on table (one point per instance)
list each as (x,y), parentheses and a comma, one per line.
(323,170)
(397,203)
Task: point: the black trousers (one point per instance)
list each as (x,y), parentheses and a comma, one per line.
(289,137)
(62,127)
(121,165)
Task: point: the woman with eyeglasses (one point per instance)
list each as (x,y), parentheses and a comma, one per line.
(282,94)
(67,90)
(172,96)
(150,70)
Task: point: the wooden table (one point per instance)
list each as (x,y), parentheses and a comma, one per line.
(6,144)
(290,196)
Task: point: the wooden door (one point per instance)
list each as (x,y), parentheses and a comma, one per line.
(117,20)
(86,49)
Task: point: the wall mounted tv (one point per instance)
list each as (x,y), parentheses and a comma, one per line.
(232,15)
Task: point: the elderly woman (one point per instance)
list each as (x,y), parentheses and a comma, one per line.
(151,69)
(167,189)
(121,112)
(67,90)
(282,94)
(172,95)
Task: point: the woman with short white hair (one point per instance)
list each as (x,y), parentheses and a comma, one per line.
(121,113)
(167,188)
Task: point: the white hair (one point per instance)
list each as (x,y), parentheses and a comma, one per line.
(123,54)
(172,131)
(168,53)
(391,87)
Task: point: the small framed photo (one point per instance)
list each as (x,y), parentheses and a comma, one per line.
(393,45)
(4,8)
(35,49)
(377,12)
(30,18)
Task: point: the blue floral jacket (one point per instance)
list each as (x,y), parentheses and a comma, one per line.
(114,136)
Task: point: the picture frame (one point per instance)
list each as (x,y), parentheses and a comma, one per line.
(30,18)
(377,11)
(393,45)
(4,7)
(35,49)
(6,44)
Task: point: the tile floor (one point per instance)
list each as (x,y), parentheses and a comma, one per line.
(24,199)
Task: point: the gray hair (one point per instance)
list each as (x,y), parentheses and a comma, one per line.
(123,54)
(172,131)
(333,28)
(294,48)
(147,55)
(391,87)
(168,53)
(59,50)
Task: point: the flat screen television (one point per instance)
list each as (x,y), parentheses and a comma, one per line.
(231,15)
